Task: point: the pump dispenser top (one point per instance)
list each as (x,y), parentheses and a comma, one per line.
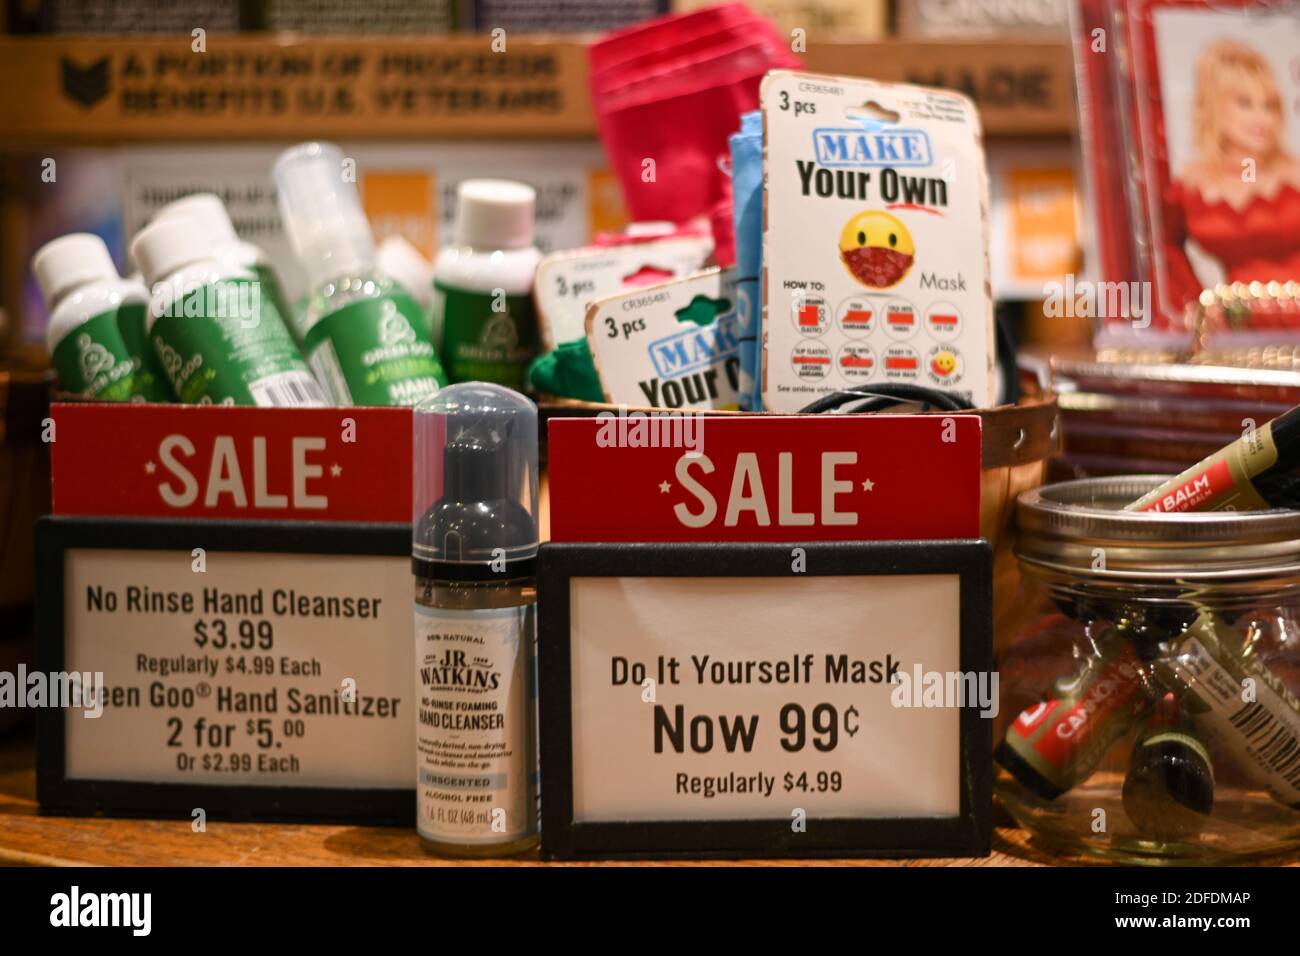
(475,484)
(322,213)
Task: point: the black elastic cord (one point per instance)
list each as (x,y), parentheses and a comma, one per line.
(885,395)
(1007,367)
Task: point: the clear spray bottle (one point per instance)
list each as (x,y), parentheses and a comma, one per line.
(473,555)
(365,338)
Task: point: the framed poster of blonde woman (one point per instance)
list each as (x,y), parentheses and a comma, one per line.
(1217,114)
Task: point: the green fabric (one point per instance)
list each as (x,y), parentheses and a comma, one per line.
(568,372)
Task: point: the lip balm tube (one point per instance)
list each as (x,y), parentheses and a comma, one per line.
(1257,471)
(1235,700)
(1057,744)
(1169,789)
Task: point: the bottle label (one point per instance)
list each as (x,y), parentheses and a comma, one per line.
(224,344)
(476,758)
(150,383)
(1221,482)
(1258,722)
(274,293)
(375,352)
(93,361)
(487,336)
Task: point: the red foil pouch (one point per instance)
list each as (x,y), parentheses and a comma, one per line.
(668,93)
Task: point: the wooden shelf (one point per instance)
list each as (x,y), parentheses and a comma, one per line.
(96,90)
(27,838)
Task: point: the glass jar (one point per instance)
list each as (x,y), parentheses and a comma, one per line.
(1149,682)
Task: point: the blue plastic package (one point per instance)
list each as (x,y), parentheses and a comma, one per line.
(747,191)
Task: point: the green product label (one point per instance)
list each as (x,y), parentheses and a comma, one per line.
(225,344)
(487,336)
(375,352)
(150,382)
(272,291)
(93,361)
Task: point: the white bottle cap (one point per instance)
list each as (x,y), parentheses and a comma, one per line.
(165,245)
(208,212)
(398,259)
(494,214)
(63,264)
(322,213)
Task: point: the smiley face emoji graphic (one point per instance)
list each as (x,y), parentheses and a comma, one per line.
(943,364)
(877,249)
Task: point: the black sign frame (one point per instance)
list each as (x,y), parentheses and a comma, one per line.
(60,795)
(969,834)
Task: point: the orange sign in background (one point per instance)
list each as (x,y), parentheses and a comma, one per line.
(405,203)
(1043,231)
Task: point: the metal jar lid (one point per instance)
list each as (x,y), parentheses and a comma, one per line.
(1077,528)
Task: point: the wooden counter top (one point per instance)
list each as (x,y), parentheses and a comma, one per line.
(29,839)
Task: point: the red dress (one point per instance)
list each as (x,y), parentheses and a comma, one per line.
(1259,242)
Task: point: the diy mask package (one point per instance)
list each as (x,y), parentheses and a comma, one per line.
(898,292)
(875,252)
(567,282)
(671,346)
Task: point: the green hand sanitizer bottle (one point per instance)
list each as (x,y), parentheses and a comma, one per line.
(364,336)
(220,341)
(483,285)
(209,214)
(93,315)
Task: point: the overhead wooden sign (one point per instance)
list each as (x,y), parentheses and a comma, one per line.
(249,87)
(265,87)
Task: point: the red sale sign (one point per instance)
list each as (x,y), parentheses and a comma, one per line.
(197,461)
(672,477)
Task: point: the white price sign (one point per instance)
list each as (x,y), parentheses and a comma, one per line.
(746,698)
(235,668)
(736,685)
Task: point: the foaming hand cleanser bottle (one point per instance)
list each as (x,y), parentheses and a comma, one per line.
(474,552)
(364,336)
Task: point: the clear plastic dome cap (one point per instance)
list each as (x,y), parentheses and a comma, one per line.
(321,209)
(475,483)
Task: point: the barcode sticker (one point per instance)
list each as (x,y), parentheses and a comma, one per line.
(324,362)
(1264,731)
(287,389)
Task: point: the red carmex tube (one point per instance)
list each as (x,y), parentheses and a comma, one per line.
(1057,744)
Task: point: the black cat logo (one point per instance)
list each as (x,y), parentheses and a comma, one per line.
(85,85)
